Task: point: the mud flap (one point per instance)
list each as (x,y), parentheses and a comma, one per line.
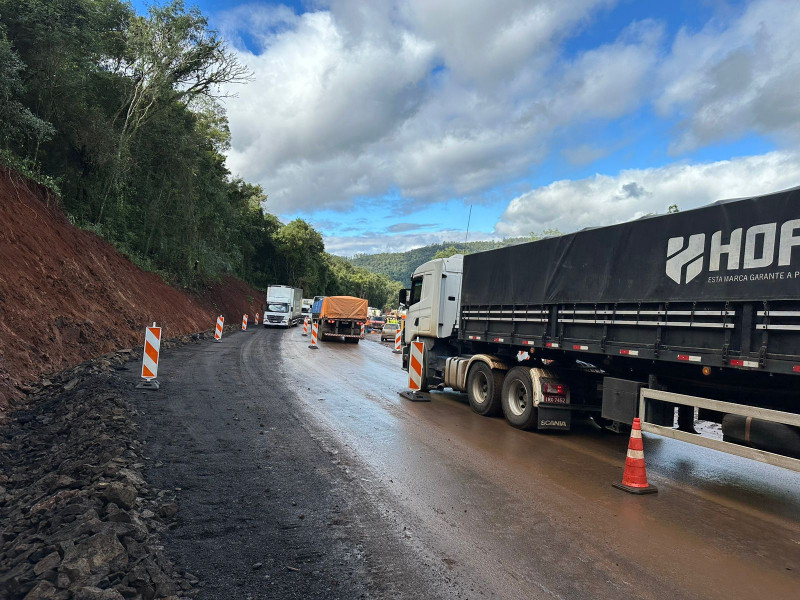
(415,396)
(554,418)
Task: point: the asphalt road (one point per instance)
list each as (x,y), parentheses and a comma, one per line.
(429,500)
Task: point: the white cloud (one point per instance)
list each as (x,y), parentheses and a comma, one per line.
(350,101)
(439,100)
(603,200)
(371,244)
(735,77)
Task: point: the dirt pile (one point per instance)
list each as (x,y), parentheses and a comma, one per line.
(78,519)
(66,295)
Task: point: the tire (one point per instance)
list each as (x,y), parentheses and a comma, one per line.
(483,389)
(517,399)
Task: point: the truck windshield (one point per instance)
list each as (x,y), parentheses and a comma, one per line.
(416,290)
(279,307)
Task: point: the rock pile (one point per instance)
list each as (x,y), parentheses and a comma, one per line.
(77,519)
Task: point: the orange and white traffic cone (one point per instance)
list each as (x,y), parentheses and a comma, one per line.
(244,322)
(314,330)
(415,361)
(218,330)
(634,478)
(398,342)
(305,325)
(152,347)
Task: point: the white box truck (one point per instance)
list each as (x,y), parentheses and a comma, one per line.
(283,307)
(306,307)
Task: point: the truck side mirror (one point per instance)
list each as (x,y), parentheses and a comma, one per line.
(403,297)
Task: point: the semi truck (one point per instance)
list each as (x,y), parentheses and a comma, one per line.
(341,317)
(675,319)
(283,306)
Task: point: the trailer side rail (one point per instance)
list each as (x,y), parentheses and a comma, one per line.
(763,414)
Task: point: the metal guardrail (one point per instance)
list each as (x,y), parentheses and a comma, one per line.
(763,414)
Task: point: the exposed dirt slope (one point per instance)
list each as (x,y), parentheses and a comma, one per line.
(66,295)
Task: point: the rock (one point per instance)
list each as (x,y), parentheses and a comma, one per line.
(71,385)
(258,565)
(98,555)
(24,417)
(75,567)
(131,477)
(44,590)
(168,510)
(93,593)
(48,563)
(120,494)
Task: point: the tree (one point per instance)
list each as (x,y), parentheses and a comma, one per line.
(170,56)
(17,122)
(545,233)
(447,252)
(673,208)
(302,249)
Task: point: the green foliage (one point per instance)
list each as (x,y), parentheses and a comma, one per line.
(545,233)
(121,111)
(673,208)
(17,122)
(446,253)
(398,266)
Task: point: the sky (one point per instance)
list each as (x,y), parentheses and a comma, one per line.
(383,123)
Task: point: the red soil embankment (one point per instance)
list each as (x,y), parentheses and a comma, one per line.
(66,295)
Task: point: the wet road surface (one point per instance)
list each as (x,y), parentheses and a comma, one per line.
(524,515)
(429,500)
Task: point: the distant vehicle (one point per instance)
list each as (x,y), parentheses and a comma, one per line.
(283,306)
(316,306)
(341,316)
(375,323)
(389,331)
(373,312)
(306,305)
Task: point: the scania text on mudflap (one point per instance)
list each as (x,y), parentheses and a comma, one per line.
(702,304)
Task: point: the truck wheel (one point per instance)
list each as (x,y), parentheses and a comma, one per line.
(517,399)
(483,389)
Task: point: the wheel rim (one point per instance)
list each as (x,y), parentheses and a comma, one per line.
(480,387)
(517,398)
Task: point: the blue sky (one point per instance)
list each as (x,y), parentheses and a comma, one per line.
(382,122)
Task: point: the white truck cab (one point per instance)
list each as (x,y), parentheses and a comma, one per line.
(283,306)
(434,298)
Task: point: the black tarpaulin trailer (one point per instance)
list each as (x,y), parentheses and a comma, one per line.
(716,286)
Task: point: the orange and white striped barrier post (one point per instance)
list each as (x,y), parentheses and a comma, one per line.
(218,330)
(415,362)
(398,341)
(244,322)
(152,346)
(305,325)
(314,331)
(634,477)
(256,318)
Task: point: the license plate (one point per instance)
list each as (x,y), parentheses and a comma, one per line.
(555,399)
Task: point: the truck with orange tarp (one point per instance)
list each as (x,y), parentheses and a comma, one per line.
(341,317)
